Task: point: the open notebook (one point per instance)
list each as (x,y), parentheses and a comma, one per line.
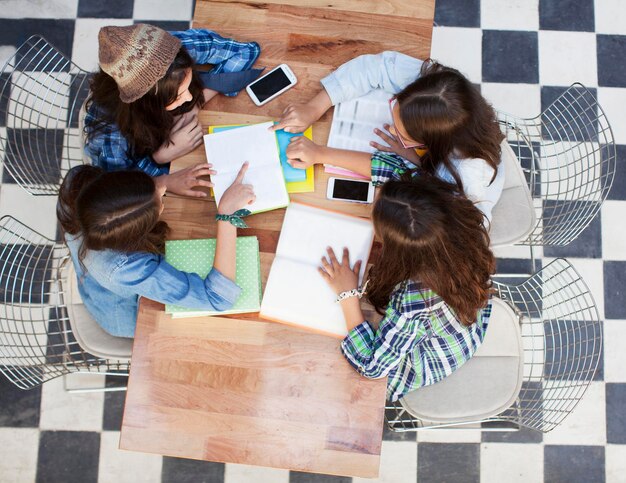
(354,123)
(295,292)
(197,256)
(228,150)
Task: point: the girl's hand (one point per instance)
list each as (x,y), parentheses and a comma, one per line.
(297,118)
(302,152)
(394,146)
(238,195)
(340,276)
(184,181)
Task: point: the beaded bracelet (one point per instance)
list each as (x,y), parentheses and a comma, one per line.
(355,292)
(235,218)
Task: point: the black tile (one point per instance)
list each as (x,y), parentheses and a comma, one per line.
(114,404)
(68,456)
(615,413)
(573,15)
(179,470)
(568,464)
(5,86)
(571,113)
(58,32)
(618,190)
(33,156)
(614,289)
(587,245)
(529,300)
(611,51)
(457,13)
(516,265)
(572,349)
(169,25)
(300,477)
(389,435)
(509,56)
(19,408)
(108,9)
(528,155)
(438,462)
(27,281)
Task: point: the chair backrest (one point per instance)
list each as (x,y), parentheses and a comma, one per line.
(42,92)
(36,340)
(568,156)
(513,216)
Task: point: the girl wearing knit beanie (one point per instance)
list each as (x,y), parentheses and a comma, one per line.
(143,104)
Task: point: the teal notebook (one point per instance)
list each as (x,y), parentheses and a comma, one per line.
(197,256)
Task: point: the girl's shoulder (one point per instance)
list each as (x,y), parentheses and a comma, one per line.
(412,297)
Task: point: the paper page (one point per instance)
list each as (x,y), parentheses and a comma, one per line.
(354,121)
(228,150)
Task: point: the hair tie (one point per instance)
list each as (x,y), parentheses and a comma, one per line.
(235,218)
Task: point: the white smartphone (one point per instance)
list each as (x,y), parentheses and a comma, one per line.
(353,190)
(272,84)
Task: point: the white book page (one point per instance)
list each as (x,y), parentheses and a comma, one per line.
(354,121)
(228,150)
(295,291)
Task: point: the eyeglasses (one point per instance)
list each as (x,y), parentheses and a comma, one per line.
(405,145)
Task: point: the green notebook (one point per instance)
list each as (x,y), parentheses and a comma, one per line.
(197,256)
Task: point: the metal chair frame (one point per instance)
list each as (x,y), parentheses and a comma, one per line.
(36,340)
(43,91)
(562,340)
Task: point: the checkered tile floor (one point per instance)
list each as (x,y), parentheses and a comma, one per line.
(523,53)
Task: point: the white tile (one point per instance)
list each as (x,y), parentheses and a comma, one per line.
(592,272)
(20,447)
(610,16)
(567,57)
(612,100)
(517,251)
(459,48)
(39,8)
(121,466)
(37,212)
(234,473)
(85,49)
(458,435)
(614,353)
(398,463)
(520,100)
(62,410)
(586,424)
(613,230)
(509,15)
(615,463)
(6,52)
(512,463)
(162,10)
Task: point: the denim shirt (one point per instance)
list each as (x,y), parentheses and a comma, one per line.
(392,72)
(113,282)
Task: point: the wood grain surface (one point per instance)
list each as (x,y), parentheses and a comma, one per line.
(237,389)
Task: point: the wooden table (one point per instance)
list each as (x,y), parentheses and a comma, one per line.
(237,389)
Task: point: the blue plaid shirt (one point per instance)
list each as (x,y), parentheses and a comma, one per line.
(418,342)
(109,148)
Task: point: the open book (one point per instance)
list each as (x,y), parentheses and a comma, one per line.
(197,256)
(228,150)
(295,292)
(354,123)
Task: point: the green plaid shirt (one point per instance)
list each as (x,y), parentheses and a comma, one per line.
(418,342)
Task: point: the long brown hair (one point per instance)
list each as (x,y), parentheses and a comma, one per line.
(433,235)
(145,123)
(443,110)
(116,211)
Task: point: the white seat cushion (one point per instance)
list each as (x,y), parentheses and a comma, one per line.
(485,385)
(513,216)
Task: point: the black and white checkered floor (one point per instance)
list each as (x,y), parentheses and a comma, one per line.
(523,53)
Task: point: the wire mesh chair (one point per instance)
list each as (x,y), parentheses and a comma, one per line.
(568,156)
(41,93)
(36,339)
(562,341)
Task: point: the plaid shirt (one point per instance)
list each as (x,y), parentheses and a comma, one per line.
(109,148)
(386,166)
(419,341)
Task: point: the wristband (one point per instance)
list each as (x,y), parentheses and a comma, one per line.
(235,218)
(355,292)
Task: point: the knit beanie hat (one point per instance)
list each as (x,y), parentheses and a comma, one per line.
(137,57)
